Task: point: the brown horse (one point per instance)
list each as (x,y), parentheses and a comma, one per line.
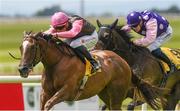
(64,71)
(111,37)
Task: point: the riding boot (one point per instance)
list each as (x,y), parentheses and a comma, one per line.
(88,56)
(160,55)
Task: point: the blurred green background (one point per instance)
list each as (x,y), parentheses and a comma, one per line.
(11,34)
(17,16)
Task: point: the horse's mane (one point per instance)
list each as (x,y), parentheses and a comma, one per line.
(62,46)
(66,48)
(127,38)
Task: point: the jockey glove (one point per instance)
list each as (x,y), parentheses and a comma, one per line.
(47,36)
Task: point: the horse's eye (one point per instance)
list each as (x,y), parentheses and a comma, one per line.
(106,34)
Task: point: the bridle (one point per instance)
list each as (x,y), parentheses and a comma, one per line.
(109,40)
(106,40)
(35,50)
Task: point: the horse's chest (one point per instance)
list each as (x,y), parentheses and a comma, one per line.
(51,85)
(48,85)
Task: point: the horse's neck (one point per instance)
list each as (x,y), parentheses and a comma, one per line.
(61,66)
(124,49)
(131,53)
(119,42)
(134,54)
(50,55)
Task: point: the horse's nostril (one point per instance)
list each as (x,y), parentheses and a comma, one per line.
(23,70)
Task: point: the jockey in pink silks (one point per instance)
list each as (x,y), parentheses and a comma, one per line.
(156,31)
(79,34)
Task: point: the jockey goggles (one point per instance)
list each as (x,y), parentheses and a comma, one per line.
(59,27)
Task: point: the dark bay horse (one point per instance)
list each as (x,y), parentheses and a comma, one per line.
(64,71)
(111,37)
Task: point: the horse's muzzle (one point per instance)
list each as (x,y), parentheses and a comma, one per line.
(24,71)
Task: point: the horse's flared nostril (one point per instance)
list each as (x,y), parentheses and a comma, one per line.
(23,71)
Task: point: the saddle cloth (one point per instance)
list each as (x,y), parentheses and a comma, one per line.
(88,72)
(173,55)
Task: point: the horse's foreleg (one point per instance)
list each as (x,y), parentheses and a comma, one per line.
(103,95)
(173,98)
(59,96)
(117,95)
(43,99)
(171,104)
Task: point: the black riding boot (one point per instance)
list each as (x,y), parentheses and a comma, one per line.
(88,56)
(160,55)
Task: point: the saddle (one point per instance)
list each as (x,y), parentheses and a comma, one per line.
(173,55)
(89,68)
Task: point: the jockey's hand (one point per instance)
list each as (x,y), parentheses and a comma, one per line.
(47,36)
(136,42)
(55,38)
(126,28)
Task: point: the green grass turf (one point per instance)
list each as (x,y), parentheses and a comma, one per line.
(11,34)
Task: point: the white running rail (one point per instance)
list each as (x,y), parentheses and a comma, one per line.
(18,79)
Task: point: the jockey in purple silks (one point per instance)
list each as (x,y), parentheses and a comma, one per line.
(79,34)
(156,31)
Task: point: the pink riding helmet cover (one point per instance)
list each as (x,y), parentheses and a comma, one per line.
(59,19)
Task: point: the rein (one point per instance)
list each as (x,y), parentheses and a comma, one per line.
(131,46)
(59,43)
(14,56)
(130,49)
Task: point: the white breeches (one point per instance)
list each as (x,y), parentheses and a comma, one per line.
(161,39)
(89,41)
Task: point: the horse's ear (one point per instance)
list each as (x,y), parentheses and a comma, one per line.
(98,23)
(114,24)
(24,33)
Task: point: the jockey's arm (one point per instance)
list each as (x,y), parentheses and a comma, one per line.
(126,28)
(76,29)
(151,33)
(50,30)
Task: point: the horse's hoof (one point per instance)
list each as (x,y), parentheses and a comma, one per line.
(47,107)
(130,107)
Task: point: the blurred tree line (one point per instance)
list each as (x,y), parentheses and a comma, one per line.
(172,9)
(48,11)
